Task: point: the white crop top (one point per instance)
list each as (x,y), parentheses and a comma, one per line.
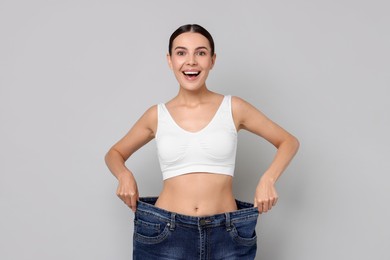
(211,149)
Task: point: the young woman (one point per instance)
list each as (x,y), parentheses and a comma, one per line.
(196,216)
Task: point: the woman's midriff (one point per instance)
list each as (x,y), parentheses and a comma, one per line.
(198,194)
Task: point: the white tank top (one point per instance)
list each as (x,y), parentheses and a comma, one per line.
(211,149)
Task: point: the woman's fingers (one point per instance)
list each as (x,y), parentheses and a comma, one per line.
(274,201)
(265,205)
(133,203)
(129,198)
(127,191)
(265,195)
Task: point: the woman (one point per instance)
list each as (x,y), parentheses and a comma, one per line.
(196,215)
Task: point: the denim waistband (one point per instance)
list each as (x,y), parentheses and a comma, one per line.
(245,211)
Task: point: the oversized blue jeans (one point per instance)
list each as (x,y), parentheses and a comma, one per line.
(164,235)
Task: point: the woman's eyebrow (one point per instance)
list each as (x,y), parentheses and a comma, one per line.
(184,48)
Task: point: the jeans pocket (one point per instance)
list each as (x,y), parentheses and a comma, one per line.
(244,232)
(150,230)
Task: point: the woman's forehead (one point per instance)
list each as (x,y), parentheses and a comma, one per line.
(191,40)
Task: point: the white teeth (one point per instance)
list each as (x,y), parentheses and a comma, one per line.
(191,72)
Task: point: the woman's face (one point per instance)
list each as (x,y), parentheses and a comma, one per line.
(191,60)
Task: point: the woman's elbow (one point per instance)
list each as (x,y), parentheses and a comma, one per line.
(294,143)
(112,153)
(107,156)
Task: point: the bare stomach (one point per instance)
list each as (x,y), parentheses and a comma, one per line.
(198,194)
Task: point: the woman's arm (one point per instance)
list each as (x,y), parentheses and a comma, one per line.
(249,118)
(140,134)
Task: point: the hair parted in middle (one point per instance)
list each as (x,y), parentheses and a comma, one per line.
(196,28)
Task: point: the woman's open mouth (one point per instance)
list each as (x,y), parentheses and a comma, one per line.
(191,74)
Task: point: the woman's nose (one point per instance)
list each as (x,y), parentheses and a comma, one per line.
(191,60)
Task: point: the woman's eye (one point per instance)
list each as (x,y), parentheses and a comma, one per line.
(180,53)
(201,53)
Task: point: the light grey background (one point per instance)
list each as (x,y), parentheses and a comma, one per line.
(75,75)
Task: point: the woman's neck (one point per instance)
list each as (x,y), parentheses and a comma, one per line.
(193,98)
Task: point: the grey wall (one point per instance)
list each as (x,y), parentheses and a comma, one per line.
(75,75)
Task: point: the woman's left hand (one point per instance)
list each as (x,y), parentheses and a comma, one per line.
(265,196)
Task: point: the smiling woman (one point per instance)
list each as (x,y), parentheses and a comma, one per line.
(196,216)
(191,59)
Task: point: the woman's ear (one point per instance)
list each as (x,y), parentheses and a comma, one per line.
(169,61)
(213,60)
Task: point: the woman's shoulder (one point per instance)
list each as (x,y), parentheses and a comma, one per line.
(239,103)
(151,111)
(243,110)
(149,117)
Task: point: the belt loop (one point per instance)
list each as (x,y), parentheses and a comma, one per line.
(228,222)
(172,227)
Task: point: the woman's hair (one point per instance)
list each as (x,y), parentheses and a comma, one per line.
(191,28)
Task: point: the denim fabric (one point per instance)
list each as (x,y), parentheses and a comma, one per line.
(164,235)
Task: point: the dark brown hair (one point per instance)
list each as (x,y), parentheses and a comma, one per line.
(191,28)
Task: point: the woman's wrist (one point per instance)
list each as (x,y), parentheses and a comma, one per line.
(267,177)
(124,175)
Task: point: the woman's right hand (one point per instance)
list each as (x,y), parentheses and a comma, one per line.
(127,190)
(140,134)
